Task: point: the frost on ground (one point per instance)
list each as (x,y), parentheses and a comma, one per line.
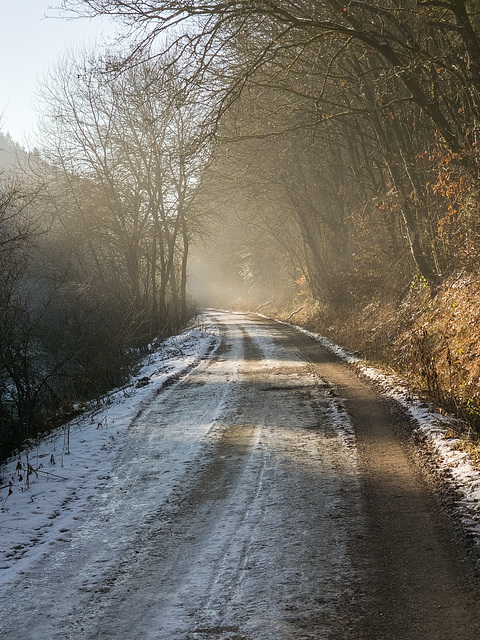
(45,486)
(456,466)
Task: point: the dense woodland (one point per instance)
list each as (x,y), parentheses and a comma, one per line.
(305,153)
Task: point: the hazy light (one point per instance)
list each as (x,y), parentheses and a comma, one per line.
(32,38)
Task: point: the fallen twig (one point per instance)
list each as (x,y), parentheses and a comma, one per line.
(54,475)
(294,312)
(262,305)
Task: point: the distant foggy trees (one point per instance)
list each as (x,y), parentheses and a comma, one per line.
(128,152)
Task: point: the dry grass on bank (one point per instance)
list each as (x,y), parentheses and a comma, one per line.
(430,340)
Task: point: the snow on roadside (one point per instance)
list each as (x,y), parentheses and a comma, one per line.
(58,473)
(457,466)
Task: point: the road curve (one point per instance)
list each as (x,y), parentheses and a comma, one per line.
(292,512)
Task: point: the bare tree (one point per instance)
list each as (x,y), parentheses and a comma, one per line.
(129,149)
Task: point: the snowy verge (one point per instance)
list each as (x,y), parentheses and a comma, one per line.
(456,466)
(61,471)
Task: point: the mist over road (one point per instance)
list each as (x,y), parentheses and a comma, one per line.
(263,496)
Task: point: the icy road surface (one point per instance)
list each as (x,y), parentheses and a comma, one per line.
(245,503)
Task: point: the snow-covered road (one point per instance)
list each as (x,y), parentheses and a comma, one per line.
(223,513)
(237,506)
